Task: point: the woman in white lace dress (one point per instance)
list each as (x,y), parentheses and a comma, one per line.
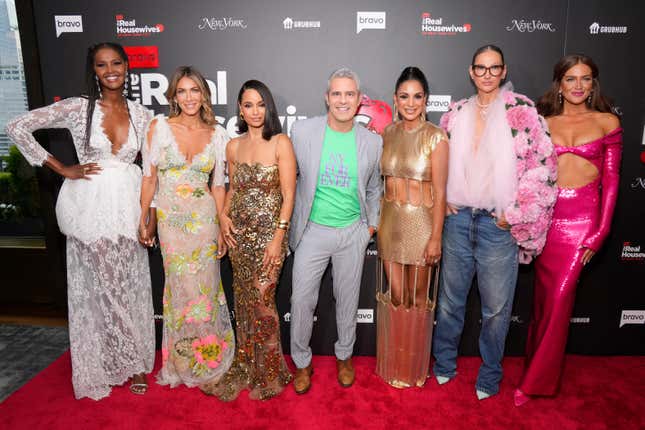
(111,325)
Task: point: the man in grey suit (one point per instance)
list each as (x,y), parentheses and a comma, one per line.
(336,212)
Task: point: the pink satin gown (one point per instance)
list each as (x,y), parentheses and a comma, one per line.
(581,219)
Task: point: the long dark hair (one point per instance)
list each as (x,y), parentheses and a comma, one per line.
(412,73)
(206,109)
(92,90)
(549,104)
(272,124)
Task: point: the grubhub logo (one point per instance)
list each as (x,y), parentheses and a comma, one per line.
(596,28)
(129,28)
(142,57)
(434,26)
(68,24)
(370,21)
(632,317)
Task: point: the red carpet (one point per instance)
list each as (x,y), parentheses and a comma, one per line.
(598,393)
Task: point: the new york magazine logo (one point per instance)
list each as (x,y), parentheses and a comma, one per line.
(597,28)
(222,23)
(68,24)
(130,28)
(370,21)
(530,25)
(435,26)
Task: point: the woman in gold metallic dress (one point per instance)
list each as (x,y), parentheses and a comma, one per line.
(415,167)
(259,202)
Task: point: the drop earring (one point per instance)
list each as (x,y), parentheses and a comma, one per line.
(560,97)
(98,86)
(589,98)
(125,85)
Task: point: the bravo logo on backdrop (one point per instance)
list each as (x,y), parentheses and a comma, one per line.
(68,24)
(434,26)
(370,21)
(129,28)
(438,103)
(632,317)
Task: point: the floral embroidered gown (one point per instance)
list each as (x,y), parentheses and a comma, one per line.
(198,343)
(259,364)
(111,325)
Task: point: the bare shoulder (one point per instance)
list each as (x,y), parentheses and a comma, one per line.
(608,121)
(282,139)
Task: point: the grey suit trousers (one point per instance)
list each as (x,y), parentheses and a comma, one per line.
(346,249)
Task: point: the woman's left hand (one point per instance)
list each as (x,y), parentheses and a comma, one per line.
(222,247)
(586,256)
(272,255)
(501,222)
(432,253)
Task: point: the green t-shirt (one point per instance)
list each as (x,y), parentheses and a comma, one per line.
(336,201)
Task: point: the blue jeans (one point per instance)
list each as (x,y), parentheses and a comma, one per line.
(473,243)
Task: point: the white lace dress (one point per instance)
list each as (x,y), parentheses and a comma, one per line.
(111,319)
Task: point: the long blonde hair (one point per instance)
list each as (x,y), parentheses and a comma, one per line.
(206,109)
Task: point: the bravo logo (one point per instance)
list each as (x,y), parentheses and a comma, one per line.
(632,317)
(370,20)
(438,103)
(365,316)
(68,24)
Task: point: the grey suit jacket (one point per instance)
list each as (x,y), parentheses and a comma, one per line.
(307,137)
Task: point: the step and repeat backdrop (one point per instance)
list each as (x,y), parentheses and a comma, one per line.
(293,45)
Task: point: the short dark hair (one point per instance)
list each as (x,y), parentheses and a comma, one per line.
(549,104)
(272,124)
(487,48)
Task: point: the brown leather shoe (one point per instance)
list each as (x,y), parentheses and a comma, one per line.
(345,372)
(302,381)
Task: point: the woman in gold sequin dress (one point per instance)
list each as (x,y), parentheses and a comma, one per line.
(182,151)
(262,169)
(415,167)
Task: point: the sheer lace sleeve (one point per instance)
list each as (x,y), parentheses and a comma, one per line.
(220,140)
(68,113)
(152,146)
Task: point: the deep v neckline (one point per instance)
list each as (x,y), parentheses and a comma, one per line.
(104,133)
(195,155)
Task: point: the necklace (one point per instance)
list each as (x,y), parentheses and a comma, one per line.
(483,108)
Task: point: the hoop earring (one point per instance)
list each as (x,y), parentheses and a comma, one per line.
(423,116)
(560,97)
(241,117)
(395,113)
(98,86)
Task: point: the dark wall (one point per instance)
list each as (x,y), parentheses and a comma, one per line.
(234,41)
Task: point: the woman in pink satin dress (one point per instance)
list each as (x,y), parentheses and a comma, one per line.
(588,141)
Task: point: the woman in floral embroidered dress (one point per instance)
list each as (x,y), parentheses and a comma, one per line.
(181,154)
(111,325)
(500,194)
(262,168)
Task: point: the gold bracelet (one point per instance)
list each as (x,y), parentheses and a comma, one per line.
(283,224)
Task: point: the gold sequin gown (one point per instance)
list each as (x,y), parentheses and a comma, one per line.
(259,364)
(404,334)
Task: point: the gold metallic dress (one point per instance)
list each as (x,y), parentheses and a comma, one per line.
(259,364)
(404,334)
